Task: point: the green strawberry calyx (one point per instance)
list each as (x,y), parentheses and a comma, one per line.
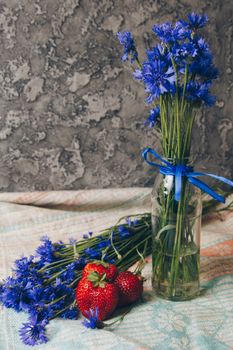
(100,262)
(97,280)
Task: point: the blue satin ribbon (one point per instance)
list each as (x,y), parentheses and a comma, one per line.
(180,170)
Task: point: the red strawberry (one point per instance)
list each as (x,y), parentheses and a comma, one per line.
(130,287)
(101,268)
(95,293)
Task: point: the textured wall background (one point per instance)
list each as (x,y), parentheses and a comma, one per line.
(71,116)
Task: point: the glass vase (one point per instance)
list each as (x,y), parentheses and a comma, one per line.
(176,227)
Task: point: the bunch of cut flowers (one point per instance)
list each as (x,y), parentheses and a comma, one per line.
(177,74)
(44,285)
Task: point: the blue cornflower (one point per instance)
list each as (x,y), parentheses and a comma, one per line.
(72,241)
(68,274)
(93,253)
(27,268)
(92,320)
(15,294)
(203,63)
(158,52)
(169,34)
(203,47)
(80,263)
(199,92)
(131,222)
(183,52)
(154,114)
(22,265)
(108,259)
(42,311)
(163,31)
(104,243)
(57,290)
(1,291)
(33,332)
(127,41)
(70,313)
(158,78)
(36,294)
(87,236)
(59,295)
(197,21)
(47,251)
(204,70)
(123,231)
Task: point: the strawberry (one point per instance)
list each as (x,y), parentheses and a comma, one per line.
(95,293)
(130,287)
(101,268)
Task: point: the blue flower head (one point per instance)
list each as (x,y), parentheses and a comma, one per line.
(203,63)
(23,265)
(27,269)
(36,294)
(47,250)
(1,291)
(183,52)
(197,21)
(199,93)
(109,259)
(93,253)
(92,319)
(71,313)
(132,223)
(163,31)
(80,263)
(60,294)
(170,34)
(154,114)
(16,294)
(87,236)
(33,332)
(127,42)
(158,78)
(104,243)
(68,273)
(123,231)
(72,241)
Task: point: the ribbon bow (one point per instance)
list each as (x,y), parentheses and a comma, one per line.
(180,170)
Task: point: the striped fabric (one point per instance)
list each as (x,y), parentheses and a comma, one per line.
(203,323)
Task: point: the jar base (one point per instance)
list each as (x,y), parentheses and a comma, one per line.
(182,292)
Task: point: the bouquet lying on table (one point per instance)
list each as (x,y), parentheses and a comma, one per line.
(44,285)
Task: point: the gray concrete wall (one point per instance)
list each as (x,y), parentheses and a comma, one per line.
(71,116)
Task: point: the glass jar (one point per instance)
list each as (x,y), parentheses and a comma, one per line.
(176,228)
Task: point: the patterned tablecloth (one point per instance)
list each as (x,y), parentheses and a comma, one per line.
(203,323)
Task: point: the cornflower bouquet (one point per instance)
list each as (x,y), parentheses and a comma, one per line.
(43,285)
(177,75)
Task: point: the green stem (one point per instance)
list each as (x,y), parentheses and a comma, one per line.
(184,89)
(139,63)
